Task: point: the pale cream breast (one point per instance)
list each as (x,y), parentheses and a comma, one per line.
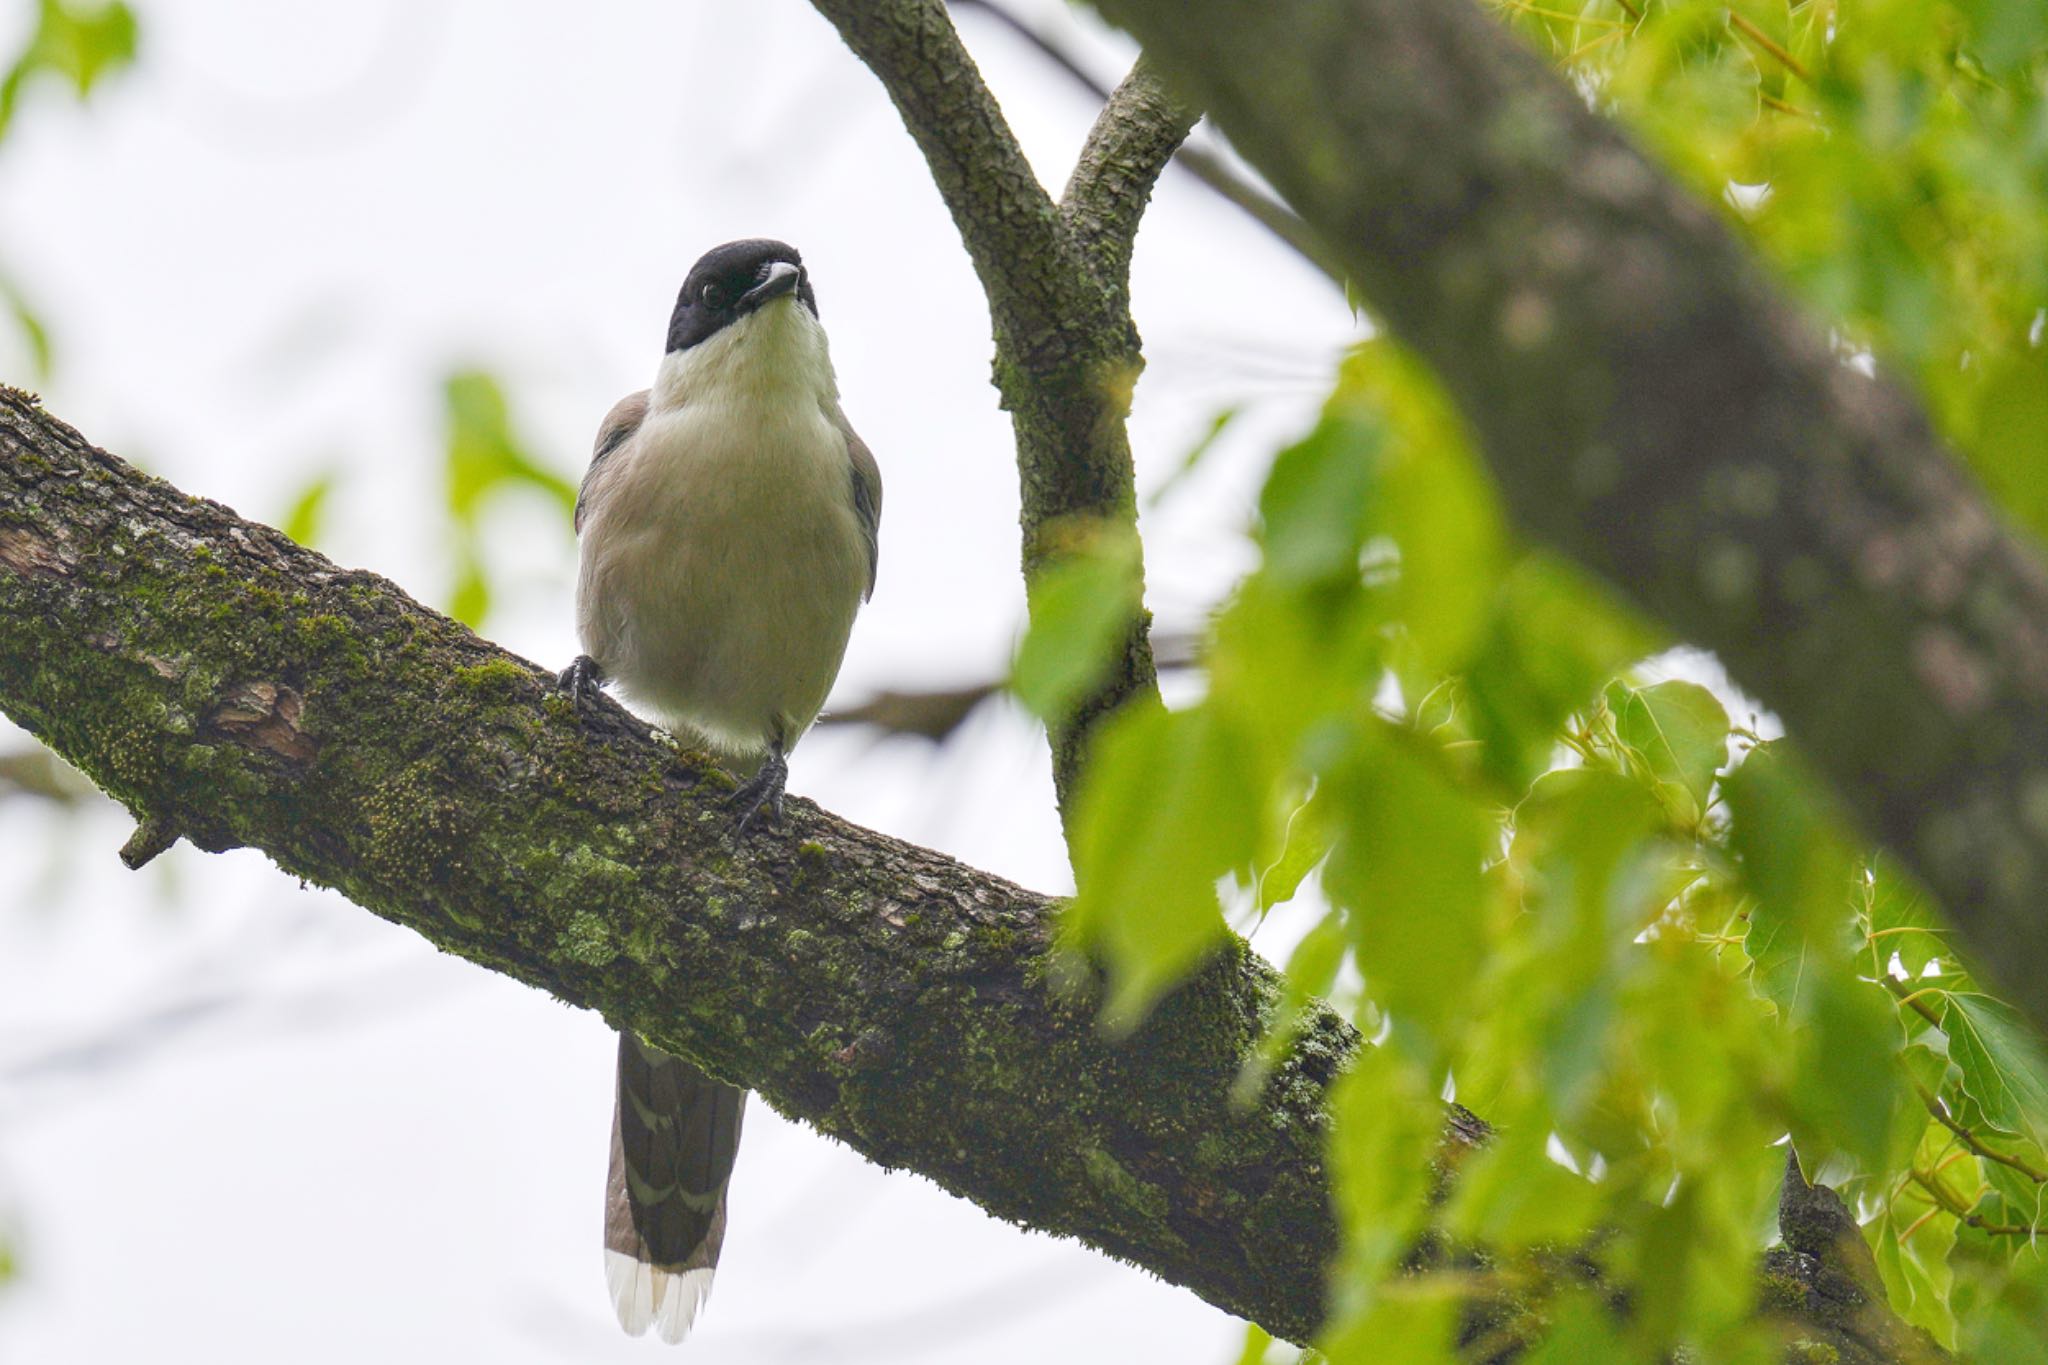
(723,560)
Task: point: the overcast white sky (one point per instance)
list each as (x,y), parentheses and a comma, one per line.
(245,1121)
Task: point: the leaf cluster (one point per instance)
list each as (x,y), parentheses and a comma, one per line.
(1564,887)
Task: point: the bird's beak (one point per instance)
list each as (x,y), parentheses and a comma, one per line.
(782,278)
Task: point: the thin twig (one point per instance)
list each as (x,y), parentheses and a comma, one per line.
(1768,44)
(1969,1139)
(1952,1203)
(1912,1000)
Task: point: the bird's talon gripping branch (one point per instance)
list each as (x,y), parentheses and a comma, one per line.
(582,680)
(763,789)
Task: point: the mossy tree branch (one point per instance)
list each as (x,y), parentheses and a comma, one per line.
(237,690)
(1057,280)
(1652,405)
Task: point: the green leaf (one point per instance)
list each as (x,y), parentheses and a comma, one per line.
(1407,865)
(2003,1066)
(1415,1326)
(1437,503)
(2009,449)
(2019,1199)
(1292,851)
(1929,1069)
(1586,853)
(2007,1334)
(1671,1242)
(1912,1248)
(1511,1195)
(1692,1269)
(1293,669)
(1166,809)
(1554,640)
(2006,33)
(308,512)
(1196,454)
(484,453)
(484,457)
(1679,729)
(1082,605)
(1316,506)
(1581,1332)
(82,44)
(470,601)
(1385,1126)
(1903,921)
(1851,1086)
(1796,863)
(33,331)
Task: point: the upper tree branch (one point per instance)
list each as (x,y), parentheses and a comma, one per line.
(1005,218)
(1067,353)
(238,690)
(1136,134)
(1654,407)
(1200,162)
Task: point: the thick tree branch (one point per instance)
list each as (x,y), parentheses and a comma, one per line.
(1653,406)
(238,690)
(235,689)
(1067,354)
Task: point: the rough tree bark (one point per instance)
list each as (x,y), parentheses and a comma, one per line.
(1652,406)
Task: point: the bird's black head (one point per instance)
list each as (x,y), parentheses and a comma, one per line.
(728,282)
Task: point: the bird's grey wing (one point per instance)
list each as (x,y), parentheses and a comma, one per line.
(867,491)
(621,422)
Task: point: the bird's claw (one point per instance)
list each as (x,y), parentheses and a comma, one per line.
(762,790)
(582,680)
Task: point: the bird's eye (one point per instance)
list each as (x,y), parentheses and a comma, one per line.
(713,297)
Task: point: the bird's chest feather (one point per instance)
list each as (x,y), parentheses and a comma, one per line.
(750,510)
(732,568)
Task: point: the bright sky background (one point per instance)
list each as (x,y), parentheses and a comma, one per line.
(241,1120)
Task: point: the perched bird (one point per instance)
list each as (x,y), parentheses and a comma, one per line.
(727,531)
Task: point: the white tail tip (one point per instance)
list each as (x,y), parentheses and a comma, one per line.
(647,1296)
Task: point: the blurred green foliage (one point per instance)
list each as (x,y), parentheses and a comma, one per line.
(1623,928)
(485,458)
(306,519)
(79,45)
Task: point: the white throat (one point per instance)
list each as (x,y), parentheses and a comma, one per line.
(775,354)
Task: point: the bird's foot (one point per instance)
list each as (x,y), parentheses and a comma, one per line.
(582,680)
(761,791)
